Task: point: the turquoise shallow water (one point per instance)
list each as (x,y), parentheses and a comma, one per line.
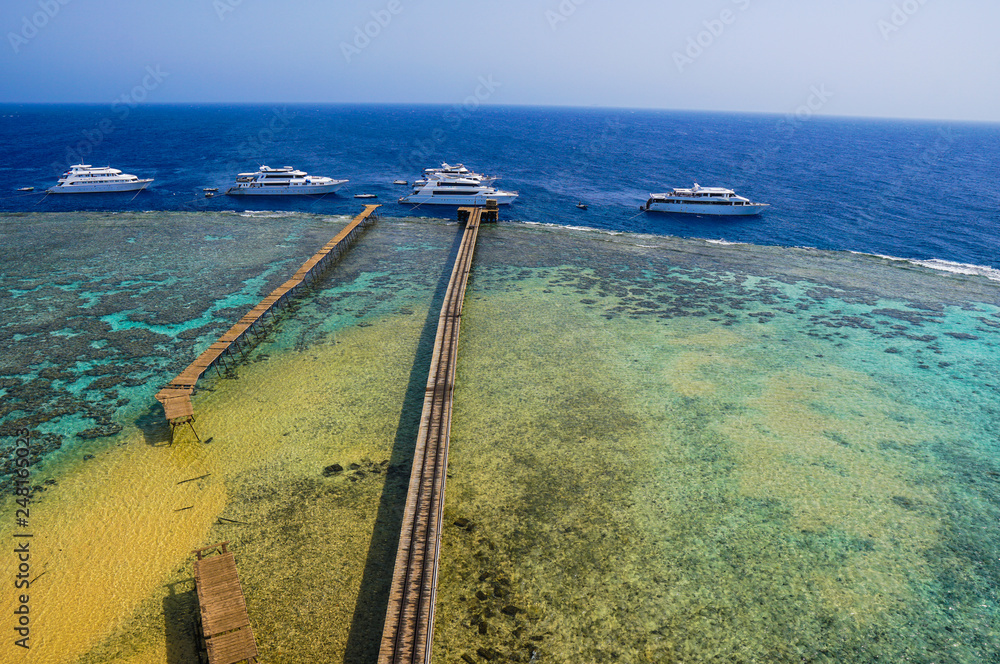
(679,452)
(102,309)
(667,449)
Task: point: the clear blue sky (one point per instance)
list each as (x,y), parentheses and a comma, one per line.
(892,58)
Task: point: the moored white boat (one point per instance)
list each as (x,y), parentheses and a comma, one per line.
(456,191)
(87,179)
(458,171)
(703,200)
(282,182)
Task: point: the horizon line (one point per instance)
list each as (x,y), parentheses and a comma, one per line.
(652,109)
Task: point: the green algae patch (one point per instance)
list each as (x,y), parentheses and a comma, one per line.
(542,440)
(633,481)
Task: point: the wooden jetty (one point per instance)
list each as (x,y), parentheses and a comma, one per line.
(409,621)
(176,395)
(225,625)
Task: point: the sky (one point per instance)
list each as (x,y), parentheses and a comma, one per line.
(879,58)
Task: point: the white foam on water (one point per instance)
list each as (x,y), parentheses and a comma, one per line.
(941,265)
(266,214)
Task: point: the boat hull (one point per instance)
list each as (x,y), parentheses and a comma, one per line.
(708,210)
(106,188)
(502,198)
(287,190)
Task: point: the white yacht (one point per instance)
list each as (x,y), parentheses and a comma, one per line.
(703,200)
(456,191)
(87,179)
(458,171)
(282,182)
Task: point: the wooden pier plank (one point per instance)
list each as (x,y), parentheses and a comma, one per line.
(409,624)
(224,619)
(233,647)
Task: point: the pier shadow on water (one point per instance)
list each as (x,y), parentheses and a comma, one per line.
(364,639)
(154,426)
(180,611)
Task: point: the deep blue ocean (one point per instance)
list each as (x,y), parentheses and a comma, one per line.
(907,189)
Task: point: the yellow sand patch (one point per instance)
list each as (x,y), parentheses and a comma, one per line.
(715,337)
(826,462)
(687,373)
(107,537)
(812,442)
(114,533)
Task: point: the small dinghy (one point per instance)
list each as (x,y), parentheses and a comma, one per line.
(581,205)
(365,196)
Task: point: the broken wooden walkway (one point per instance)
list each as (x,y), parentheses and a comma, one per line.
(225,624)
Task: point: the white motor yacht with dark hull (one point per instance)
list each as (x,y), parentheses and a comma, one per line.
(87,179)
(714,201)
(282,182)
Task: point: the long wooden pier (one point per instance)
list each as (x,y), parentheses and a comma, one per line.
(225,625)
(176,395)
(409,621)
